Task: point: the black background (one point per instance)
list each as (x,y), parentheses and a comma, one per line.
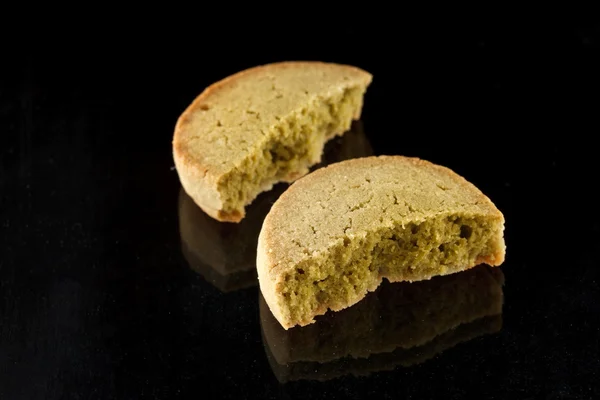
(97,300)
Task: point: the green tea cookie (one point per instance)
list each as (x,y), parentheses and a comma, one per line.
(261,126)
(334,235)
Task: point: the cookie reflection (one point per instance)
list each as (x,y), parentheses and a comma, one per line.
(225,254)
(400,324)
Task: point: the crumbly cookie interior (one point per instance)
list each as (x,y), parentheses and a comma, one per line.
(290,147)
(356,264)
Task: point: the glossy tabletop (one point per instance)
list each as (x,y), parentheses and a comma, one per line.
(113,284)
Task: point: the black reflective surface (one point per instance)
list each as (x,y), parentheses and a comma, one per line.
(114,285)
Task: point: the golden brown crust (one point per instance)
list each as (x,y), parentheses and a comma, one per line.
(201,186)
(200,177)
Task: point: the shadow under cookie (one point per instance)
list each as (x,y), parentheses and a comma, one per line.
(400,324)
(224,253)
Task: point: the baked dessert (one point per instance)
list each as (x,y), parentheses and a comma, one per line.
(261,126)
(400,324)
(225,254)
(333,235)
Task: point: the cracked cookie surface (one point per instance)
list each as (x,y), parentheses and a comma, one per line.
(261,126)
(336,233)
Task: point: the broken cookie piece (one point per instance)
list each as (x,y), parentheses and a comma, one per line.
(261,126)
(334,235)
